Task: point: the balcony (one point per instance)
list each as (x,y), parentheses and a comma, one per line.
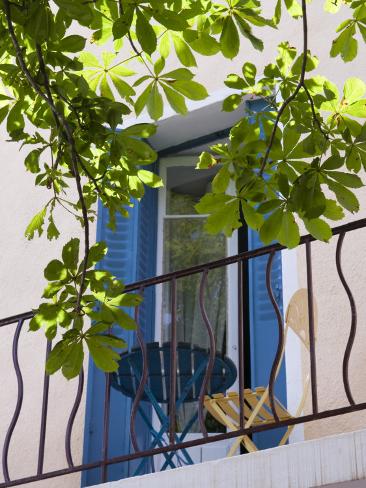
(189,402)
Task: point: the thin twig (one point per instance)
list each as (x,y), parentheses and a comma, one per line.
(315,117)
(300,85)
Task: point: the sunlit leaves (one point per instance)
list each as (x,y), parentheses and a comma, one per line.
(346,43)
(102,75)
(36,224)
(102,304)
(177,85)
(77,125)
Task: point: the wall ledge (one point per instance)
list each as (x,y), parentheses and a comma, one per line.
(309,464)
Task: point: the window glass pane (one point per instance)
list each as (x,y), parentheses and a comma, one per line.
(185,186)
(187,244)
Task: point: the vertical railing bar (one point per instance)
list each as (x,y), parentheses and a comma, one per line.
(313,372)
(70,423)
(241,343)
(173,362)
(106,418)
(42,434)
(18,405)
(211,360)
(144,377)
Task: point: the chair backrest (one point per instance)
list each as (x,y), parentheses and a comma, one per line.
(297,316)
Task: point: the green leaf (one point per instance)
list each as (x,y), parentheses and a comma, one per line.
(183,51)
(234,81)
(38,24)
(150,179)
(175,100)
(271,227)
(353,90)
(223,210)
(140,130)
(229,39)
(96,253)
(319,229)
(202,42)
(221,180)
(15,120)
(170,20)
(155,105)
(123,24)
(3,113)
(145,33)
(191,89)
(345,45)
(346,179)
(159,66)
(56,357)
(344,196)
(293,8)
(206,160)
(289,234)
(269,206)
(179,74)
(105,358)
(252,218)
(36,224)
(333,211)
(52,230)
(32,161)
(76,9)
(232,102)
(73,362)
(332,6)
(249,72)
(142,99)
(123,88)
(277,13)
(52,289)
(72,44)
(70,254)
(333,162)
(55,271)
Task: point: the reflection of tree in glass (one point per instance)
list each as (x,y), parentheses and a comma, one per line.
(187,244)
(181,203)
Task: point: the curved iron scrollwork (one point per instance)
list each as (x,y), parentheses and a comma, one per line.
(281,345)
(143,381)
(353,329)
(70,423)
(19,402)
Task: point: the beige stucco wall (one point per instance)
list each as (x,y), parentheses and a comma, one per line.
(22,263)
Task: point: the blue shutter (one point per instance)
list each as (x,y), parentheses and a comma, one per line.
(131,256)
(263,323)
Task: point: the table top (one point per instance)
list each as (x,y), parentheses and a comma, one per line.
(191,360)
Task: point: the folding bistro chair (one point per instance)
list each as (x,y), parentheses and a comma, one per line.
(257,408)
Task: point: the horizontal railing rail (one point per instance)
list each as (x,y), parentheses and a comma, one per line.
(210,369)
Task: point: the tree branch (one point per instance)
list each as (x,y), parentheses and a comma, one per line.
(300,85)
(69,137)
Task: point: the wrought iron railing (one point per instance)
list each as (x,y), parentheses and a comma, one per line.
(171,445)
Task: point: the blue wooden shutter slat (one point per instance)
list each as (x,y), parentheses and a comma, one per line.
(120,261)
(131,256)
